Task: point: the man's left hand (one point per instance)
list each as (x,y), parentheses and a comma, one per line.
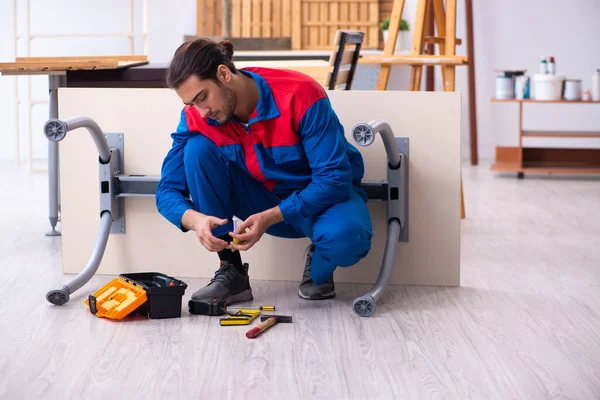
(252,229)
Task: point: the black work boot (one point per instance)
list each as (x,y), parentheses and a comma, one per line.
(228,284)
(308,289)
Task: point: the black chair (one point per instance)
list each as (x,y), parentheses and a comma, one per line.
(344,61)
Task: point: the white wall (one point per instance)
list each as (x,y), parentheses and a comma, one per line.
(508,34)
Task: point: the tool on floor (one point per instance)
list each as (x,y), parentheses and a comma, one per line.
(210,307)
(266,322)
(284,319)
(242,317)
(262,308)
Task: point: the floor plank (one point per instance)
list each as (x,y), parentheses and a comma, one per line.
(525,322)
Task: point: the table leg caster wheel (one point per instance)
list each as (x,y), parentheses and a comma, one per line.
(58,297)
(364,306)
(55,130)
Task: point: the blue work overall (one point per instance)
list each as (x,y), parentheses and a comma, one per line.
(291,154)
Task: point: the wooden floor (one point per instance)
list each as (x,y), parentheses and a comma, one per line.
(525,324)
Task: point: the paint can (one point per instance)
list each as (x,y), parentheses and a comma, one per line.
(548,87)
(504,87)
(573,89)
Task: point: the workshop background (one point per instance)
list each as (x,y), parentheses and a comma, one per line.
(510,34)
(496,273)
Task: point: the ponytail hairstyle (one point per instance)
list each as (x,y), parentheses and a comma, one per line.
(200,57)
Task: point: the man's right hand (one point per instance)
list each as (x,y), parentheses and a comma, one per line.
(203,225)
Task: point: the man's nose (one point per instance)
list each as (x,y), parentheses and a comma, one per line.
(204,111)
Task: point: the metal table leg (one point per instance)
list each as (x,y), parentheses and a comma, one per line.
(53,173)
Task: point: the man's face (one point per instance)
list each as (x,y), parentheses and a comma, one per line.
(212,100)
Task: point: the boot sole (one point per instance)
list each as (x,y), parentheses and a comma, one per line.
(326,296)
(246,295)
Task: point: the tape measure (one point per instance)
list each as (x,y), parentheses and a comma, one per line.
(210,307)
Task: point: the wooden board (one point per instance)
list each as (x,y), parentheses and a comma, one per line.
(431,257)
(562,134)
(544,101)
(493,99)
(43,64)
(132,57)
(412,60)
(316,69)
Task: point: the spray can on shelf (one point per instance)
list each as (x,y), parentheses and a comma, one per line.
(596,85)
(543,66)
(551,66)
(522,83)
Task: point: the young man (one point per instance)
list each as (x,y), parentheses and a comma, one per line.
(266,146)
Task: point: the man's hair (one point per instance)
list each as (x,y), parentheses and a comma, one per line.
(200,57)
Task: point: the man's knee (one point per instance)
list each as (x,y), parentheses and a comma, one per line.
(345,242)
(199,150)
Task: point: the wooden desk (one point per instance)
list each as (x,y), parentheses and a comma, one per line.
(45,65)
(547,160)
(56,68)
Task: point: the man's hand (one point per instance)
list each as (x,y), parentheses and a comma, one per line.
(203,226)
(256,225)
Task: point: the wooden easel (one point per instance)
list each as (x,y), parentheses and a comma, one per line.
(445,21)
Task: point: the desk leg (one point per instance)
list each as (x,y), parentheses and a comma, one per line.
(54,82)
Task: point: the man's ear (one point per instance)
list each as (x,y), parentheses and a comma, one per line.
(223,74)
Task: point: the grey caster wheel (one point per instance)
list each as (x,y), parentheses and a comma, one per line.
(55,130)
(364,306)
(363,134)
(58,297)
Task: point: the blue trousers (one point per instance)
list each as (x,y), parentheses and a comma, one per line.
(341,234)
